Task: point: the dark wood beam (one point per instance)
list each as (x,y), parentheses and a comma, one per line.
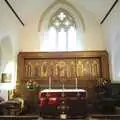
(109,11)
(14,12)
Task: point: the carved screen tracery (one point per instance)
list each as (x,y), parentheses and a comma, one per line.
(62,68)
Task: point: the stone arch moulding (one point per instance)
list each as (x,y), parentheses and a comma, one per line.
(64,5)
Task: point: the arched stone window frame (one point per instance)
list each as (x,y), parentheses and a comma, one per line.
(50,11)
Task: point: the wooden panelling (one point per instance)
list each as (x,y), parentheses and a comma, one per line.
(56,68)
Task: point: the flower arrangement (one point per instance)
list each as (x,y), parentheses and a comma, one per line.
(103,86)
(31,84)
(101,82)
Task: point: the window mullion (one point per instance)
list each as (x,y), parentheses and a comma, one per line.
(67,40)
(57,32)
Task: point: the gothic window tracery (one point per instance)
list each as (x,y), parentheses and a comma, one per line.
(62,31)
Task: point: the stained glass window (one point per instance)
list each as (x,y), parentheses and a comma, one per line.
(62,31)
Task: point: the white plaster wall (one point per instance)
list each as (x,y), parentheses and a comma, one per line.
(93,34)
(111,28)
(29,39)
(93,38)
(9,25)
(9,46)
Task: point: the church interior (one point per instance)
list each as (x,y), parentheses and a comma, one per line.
(60,45)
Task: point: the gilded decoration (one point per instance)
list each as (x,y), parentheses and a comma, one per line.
(76,69)
(88,68)
(62,68)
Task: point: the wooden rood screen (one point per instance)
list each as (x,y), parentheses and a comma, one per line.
(55,68)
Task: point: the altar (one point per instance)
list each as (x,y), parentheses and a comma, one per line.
(63,103)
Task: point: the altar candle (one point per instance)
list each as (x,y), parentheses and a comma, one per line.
(63,86)
(50,82)
(76,82)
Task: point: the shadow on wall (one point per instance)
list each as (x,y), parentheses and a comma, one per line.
(6,53)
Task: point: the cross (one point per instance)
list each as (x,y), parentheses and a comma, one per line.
(61,16)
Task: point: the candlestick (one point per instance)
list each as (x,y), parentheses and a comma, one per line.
(76,82)
(49,82)
(63,86)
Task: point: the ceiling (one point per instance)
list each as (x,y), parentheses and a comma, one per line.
(28,9)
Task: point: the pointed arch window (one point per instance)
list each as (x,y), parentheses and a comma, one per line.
(62,31)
